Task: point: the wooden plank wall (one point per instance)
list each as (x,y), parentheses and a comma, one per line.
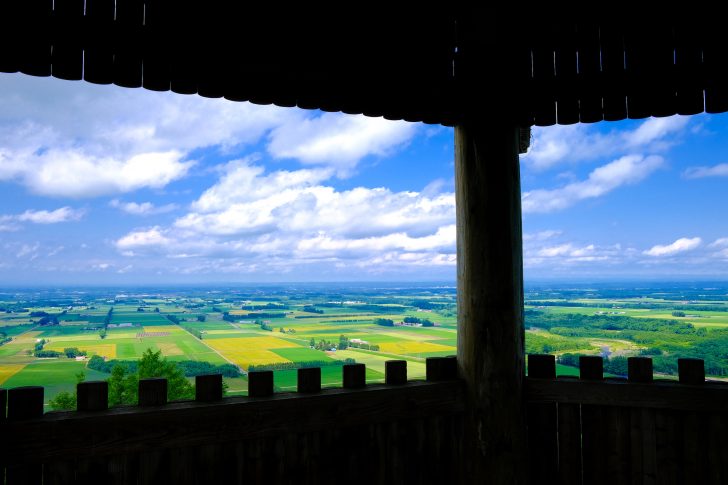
(401,432)
(593,430)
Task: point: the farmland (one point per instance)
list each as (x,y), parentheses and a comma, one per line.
(50,338)
(56,337)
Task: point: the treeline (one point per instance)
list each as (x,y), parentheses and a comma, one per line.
(422,321)
(300,365)
(632,306)
(378,308)
(312,309)
(268,306)
(189,368)
(235,318)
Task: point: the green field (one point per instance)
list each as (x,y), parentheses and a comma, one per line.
(219,331)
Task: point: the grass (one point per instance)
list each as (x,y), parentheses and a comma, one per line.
(302,354)
(55,375)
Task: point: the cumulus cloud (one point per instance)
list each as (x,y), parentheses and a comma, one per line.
(579,143)
(626,170)
(114,143)
(288,218)
(720,170)
(141,209)
(679,246)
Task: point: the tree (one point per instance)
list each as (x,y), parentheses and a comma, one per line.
(201,318)
(678,314)
(102,333)
(124,385)
(343,342)
(385,322)
(73,352)
(312,342)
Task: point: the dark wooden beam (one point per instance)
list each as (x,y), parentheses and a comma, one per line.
(490,295)
(708,396)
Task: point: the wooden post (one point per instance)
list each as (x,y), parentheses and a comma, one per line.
(490,294)
(92,396)
(260,383)
(153,391)
(542,366)
(441,368)
(3,404)
(309,380)
(354,376)
(691,371)
(639,369)
(395,372)
(591,367)
(25,403)
(208,388)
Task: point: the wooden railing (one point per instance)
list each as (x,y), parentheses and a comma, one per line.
(637,430)
(399,432)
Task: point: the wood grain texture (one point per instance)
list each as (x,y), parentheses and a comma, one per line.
(490,297)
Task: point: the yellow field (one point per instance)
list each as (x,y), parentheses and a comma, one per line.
(411,347)
(239,312)
(250,351)
(163,328)
(169,349)
(7,370)
(104,350)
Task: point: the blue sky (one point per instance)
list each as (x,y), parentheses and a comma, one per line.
(103,185)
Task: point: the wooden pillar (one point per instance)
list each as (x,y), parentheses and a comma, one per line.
(490,296)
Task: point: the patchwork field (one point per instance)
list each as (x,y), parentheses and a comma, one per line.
(288,330)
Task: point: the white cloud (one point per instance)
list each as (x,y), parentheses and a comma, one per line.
(577,143)
(64,214)
(149,237)
(720,243)
(655,130)
(284,219)
(720,170)
(116,143)
(626,170)
(338,141)
(541,236)
(141,209)
(681,245)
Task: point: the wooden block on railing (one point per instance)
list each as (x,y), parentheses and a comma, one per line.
(354,376)
(691,371)
(153,391)
(591,367)
(92,396)
(395,372)
(3,405)
(25,403)
(260,383)
(309,379)
(542,366)
(208,388)
(441,368)
(639,369)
